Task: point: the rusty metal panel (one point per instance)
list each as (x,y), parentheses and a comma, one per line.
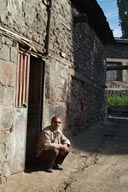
(22,79)
(19,140)
(20,114)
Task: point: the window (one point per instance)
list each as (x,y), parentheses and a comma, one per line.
(22,80)
(114,74)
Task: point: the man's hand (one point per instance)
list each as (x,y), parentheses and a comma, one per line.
(64,149)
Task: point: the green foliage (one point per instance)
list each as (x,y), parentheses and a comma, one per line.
(117,100)
(123,16)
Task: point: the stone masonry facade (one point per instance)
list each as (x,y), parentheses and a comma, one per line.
(74,69)
(8,59)
(117,50)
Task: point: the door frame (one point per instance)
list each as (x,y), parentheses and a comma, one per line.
(37,67)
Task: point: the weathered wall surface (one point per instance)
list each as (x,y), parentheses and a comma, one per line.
(87,93)
(74,72)
(5,143)
(28,19)
(8,58)
(76,75)
(117,50)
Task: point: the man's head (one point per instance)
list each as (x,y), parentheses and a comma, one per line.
(55,122)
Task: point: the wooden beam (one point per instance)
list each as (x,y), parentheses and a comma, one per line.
(122,67)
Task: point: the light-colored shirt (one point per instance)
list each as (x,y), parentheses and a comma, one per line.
(49,139)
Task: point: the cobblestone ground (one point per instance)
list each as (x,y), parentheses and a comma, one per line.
(98,162)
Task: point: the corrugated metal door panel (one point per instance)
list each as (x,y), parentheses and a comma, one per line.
(20,116)
(19,141)
(22,79)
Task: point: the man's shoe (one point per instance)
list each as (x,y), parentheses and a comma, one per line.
(49,170)
(57,167)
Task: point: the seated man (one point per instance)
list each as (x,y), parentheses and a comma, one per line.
(52,146)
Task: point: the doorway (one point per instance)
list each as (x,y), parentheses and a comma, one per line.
(35,108)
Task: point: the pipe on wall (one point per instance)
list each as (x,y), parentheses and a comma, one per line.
(48,3)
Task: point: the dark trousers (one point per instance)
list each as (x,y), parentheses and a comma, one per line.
(50,157)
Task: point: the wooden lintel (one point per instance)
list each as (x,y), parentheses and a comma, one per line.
(122,67)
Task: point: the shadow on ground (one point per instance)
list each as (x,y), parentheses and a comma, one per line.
(108,137)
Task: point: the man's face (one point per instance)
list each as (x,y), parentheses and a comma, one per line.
(55,123)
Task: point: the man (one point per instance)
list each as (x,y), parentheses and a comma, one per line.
(52,146)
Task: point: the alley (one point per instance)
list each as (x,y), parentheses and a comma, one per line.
(98,163)
(105,166)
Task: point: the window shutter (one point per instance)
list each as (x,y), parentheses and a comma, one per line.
(22,82)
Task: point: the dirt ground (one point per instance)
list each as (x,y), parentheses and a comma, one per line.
(98,162)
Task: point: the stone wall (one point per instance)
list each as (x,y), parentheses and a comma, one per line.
(86,97)
(8,57)
(122,93)
(117,51)
(5,150)
(30,20)
(76,75)
(25,18)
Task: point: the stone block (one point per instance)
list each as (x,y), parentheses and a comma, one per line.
(5,149)
(6,170)
(7,41)
(8,96)
(14,52)
(1,44)
(6,117)
(1,94)
(5,53)
(7,73)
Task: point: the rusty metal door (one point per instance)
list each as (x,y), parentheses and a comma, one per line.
(19,140)
(20,114)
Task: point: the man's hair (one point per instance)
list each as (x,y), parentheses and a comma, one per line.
(55,117)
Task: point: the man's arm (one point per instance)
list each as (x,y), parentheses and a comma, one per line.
(47,143)
(65,140)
